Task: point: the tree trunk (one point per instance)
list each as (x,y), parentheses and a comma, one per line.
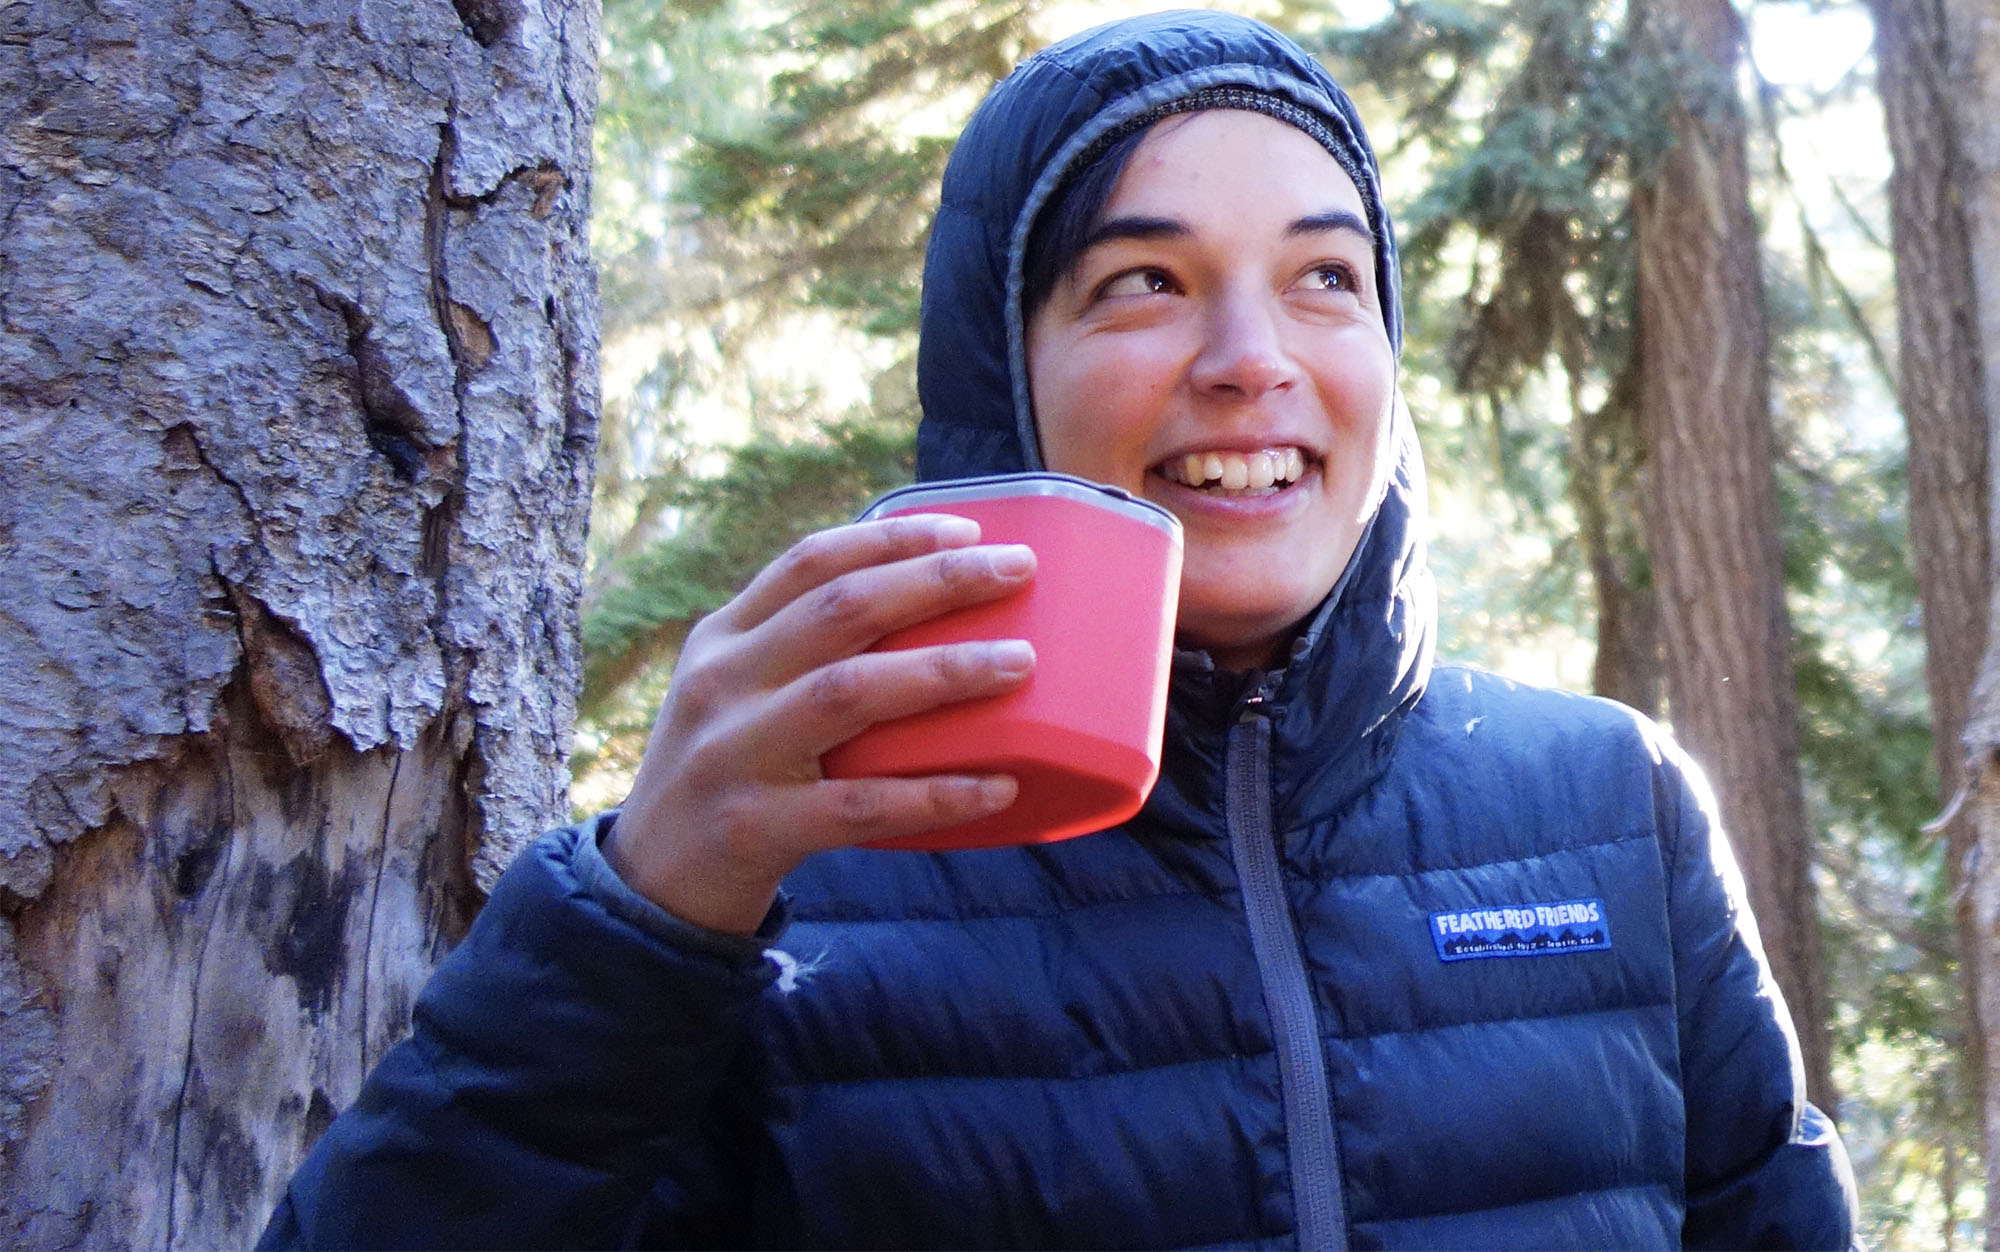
(1938,388)
(1972,29)
(1607,488)
(297,409)
(1713,519)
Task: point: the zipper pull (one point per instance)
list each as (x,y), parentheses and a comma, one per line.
(1261,689)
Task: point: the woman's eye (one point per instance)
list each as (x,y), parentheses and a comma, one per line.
(1331,277)
(1139,282)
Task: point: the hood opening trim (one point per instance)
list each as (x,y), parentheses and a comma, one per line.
(1121,112)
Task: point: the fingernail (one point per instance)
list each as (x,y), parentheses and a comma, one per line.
(997,792)
(956,532)
(1013,560)
(1011,658)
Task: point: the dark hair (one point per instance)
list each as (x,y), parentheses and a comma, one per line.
(1064,224)
(1057,237)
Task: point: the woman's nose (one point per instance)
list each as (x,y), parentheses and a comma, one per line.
(1242,353)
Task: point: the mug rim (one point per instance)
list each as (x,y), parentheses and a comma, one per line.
(1027,483)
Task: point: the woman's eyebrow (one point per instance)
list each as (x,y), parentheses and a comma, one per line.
(1332,219)
(1139,226)
(1134,226)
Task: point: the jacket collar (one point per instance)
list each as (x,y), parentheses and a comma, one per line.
(1361,662)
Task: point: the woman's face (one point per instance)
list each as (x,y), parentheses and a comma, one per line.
(1219,349)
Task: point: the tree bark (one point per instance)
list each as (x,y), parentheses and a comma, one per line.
(1607,487)
(1973,70)
(1939,377)
(297,410)
(1713,520)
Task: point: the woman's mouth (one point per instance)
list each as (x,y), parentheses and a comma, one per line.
(1266,471)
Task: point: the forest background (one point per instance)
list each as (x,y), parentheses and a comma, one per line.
(301,426)
(765,177)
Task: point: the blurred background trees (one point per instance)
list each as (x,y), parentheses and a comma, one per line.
(1938,69)
(1669,312)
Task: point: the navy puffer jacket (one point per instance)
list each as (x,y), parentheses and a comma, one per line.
(1393,957)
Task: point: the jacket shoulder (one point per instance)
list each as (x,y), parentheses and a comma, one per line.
(1493,727)
(1469,699)
(1486,769)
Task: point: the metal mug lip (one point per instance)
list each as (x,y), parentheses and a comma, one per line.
(1030,483)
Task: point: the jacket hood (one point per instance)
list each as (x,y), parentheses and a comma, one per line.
(1366,652)
(1013,155)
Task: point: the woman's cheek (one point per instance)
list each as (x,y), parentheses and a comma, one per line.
(1102,413)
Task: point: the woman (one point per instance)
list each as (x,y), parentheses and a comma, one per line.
(1264,1012)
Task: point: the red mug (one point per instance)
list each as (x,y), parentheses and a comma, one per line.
(1082,736)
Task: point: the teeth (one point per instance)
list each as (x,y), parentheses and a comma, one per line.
(1236,471)
(1261,472)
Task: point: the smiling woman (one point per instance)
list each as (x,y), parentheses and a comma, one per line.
(1217,346)
(1372,911)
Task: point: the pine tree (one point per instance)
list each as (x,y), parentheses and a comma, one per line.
(1531,119)
(1523,128)
(789,158)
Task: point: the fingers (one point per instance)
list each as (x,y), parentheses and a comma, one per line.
(842,617)
(820,558)
(836,702)
(839,813)
(821,631)
(756,766)
(729,796)
(718,864)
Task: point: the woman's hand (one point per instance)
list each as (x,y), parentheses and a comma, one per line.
(729,797)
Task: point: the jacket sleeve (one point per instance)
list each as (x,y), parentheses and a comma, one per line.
(560,1083)
(1765,1169)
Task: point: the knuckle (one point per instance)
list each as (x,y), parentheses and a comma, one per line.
(840,605)
(952,666)
(702,635)
(697,689)
(836,690)
(707,758)
(739,827)
(860,805)
(959,569)
(814,556)
(941,800)
(951,800)
(902,533)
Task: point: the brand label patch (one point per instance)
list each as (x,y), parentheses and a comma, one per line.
(1520,930)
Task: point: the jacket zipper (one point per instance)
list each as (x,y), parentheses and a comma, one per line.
(1313,1150)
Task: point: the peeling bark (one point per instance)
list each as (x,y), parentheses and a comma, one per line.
(297,410)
